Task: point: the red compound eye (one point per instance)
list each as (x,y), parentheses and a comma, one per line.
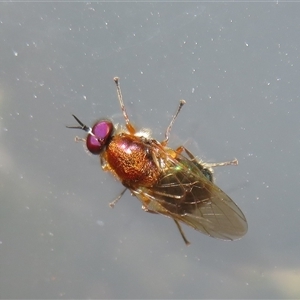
(102,131)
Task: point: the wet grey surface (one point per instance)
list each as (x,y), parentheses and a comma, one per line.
(236,65)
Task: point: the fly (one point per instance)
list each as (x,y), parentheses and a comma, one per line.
(170,182)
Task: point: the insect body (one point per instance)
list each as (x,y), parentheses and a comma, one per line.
(171,182)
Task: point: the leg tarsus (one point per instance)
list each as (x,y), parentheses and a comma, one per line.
(181,232)
(113,203)
(233,162)
(167,134)
(79,139)
(129,126)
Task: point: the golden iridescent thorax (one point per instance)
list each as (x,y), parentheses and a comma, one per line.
(131,160)
(170,182)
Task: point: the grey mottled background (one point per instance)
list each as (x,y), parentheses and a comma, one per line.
(236,65)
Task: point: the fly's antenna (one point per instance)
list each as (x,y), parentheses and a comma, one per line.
(129,126)
(82,126)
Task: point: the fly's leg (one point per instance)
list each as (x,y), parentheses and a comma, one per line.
(82,140)
(129,126)
(181,149)
(79,139)
(113,203)
(205,168)
(181,232)
(145,209)
(233,162)
(167,134)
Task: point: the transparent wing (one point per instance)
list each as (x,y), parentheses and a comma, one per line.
(185,194)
